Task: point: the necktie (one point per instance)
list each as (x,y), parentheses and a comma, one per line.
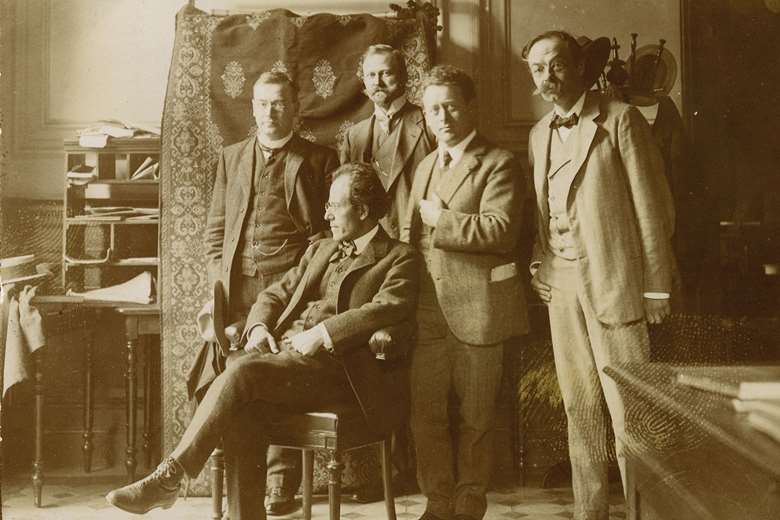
(268,152)
(347,249)
(446,159)
(567,122)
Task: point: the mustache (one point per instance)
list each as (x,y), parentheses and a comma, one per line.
(545,88)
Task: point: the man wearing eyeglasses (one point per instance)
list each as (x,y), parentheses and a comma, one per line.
(266,208)
(464,216)
(307,346)
(394,139)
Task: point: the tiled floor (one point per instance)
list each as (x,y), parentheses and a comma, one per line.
(87,502)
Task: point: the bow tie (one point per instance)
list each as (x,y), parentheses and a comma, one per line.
(567,122)
(347,249)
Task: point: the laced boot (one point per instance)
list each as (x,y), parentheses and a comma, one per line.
(160,489)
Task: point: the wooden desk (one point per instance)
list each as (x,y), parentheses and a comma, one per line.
(140,321)
(690,455)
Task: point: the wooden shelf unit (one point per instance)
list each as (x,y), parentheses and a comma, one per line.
(134,243)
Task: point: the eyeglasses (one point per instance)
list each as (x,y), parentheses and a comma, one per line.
(333,205)
(277,106)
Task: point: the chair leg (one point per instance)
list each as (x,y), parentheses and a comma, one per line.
(335,467)
(308,477)
(217,482)
(387,478)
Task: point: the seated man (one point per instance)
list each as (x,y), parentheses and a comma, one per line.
(306,342)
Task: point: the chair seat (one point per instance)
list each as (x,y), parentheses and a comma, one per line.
(343,430)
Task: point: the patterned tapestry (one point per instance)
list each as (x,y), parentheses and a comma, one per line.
(216,59)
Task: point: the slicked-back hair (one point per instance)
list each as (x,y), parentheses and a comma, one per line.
(575,51)
(451,76)
(277,78)
(388,50)
(364,188)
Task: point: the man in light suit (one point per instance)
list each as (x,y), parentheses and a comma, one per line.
(602,259)
(266,208)
(394,139)
(464,216)
(306,349)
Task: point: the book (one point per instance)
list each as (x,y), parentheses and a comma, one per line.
(767,407)
(765,424)
(742,382)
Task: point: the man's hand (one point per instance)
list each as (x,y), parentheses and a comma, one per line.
(541,289)
(307,342)
(260,340)
(656,310)
(430,210)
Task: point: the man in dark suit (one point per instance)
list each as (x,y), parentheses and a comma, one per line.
(464,216)
(266,208)
(394,139)
(602,258)
(306,349)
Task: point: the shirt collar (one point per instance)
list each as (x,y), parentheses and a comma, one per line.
(274,143)
(395,106)
(576,109)
(457,151)
(362,241)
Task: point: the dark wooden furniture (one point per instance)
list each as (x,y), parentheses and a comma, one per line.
(62,313)
(336,433)
(116,247)
(690,455)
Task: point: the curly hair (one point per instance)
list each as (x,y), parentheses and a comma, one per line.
(575,51)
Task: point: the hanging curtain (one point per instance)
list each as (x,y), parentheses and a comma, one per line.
(216,59)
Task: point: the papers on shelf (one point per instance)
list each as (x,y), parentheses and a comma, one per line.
(147,169)
(135,290)
(96,136)
(81,174)
(117,213)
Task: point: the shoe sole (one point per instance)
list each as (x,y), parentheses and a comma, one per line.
(137,511)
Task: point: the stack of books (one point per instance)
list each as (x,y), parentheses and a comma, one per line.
(754,391)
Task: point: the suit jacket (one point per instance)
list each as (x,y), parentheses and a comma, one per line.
(379,290)
(414,143)
(306,184)
(473,259)
(619,207)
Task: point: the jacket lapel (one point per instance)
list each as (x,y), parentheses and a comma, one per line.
(245,164)
(292,163)
(409,132)
(587,131)
(420,182)
(471,161)
(313,273)
(541,147)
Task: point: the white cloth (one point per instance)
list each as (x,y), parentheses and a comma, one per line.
(24,336)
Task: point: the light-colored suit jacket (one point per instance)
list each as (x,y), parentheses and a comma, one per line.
(306,183)
(414,143)
(473,259)
(619,207)
(379,290)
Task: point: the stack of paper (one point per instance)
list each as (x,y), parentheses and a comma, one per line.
(96,136)
(136,290)
(81,174)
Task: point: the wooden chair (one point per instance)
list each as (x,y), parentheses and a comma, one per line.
(335,432)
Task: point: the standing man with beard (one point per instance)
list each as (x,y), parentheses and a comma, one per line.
(602,257)
(394,139)
(266,208)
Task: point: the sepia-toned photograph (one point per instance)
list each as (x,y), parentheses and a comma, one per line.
(423,260)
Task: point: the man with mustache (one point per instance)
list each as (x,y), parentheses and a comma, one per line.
(602,260)
(394,139)
(266,208)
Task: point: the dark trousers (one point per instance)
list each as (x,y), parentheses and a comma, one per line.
(237,406)
(284,464)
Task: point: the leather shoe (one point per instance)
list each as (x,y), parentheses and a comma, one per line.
(279,502)
(160,489)
(463,517)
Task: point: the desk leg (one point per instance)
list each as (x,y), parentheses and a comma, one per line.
(86,448)
(37,476)
(148,401)
(131,397)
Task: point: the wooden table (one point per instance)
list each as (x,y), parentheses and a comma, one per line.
(140,321)
(690,455)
